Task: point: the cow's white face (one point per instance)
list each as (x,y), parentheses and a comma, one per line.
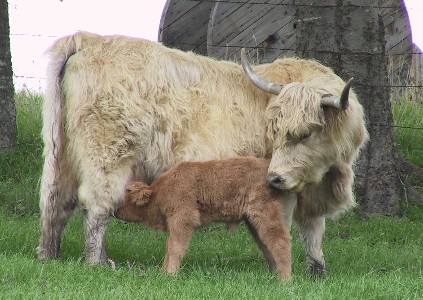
(300,158)
(303,149)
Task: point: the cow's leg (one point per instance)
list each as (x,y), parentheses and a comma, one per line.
(289,203)
(99,195)
(312,231)
(54,216)
(95,225)
(57,203)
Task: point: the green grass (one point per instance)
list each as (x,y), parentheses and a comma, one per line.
(376,258)
(20,166)
(408,117)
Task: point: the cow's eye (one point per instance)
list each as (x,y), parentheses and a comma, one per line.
(304,136)
(290,137)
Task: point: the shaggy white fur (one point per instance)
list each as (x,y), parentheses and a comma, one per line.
(119,109)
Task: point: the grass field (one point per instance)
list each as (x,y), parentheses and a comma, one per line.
(378,258)
(408,117)
(375,258)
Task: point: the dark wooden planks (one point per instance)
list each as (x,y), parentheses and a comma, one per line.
(263,27)
(267,29)
(184,25)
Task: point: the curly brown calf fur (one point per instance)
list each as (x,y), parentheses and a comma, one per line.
(194,194)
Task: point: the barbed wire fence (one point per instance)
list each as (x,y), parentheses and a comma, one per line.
(32,144)
(416,87)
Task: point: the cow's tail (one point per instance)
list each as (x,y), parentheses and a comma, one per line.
(53,122)
(55,193)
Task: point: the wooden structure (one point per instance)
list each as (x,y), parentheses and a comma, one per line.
(405,62)
(267,28)
(259,28)
(184,25)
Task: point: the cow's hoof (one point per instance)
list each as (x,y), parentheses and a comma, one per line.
(317,269)
(98,261)
(46,255)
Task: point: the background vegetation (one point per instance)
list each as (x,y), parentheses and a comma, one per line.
(374,258)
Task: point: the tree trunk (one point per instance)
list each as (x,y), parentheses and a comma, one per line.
(8,129)
(349,37)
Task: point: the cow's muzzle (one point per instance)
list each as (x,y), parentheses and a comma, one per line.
(274,181)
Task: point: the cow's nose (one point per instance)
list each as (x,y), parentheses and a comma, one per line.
(274,181)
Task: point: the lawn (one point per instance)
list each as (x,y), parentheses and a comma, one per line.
(373,258)
(377,258)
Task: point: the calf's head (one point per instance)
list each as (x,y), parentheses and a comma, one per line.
(308,127)
(137,195)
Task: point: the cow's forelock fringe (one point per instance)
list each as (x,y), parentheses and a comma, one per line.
(297,110)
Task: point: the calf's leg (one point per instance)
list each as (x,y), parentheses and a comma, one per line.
(267,254)
(289,203)
(181,227)
(270,229)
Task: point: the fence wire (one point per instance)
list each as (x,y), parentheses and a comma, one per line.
(295,3)
(373,4)
(238,46)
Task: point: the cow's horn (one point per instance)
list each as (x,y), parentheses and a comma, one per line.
(341,102)
(262,84)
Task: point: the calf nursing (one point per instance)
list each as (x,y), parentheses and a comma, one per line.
(194,194)
(119,109)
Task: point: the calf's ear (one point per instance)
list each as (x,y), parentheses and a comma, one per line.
(139,193)
(142,196)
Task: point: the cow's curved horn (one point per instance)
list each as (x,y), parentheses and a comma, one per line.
(262,84)
(341,102)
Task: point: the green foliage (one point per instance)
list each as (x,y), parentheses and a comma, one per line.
(408,121)
(29,119)
(20,166)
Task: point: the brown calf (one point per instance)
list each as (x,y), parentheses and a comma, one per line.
(194,194)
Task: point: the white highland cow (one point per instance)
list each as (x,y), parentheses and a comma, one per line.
(119,109)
